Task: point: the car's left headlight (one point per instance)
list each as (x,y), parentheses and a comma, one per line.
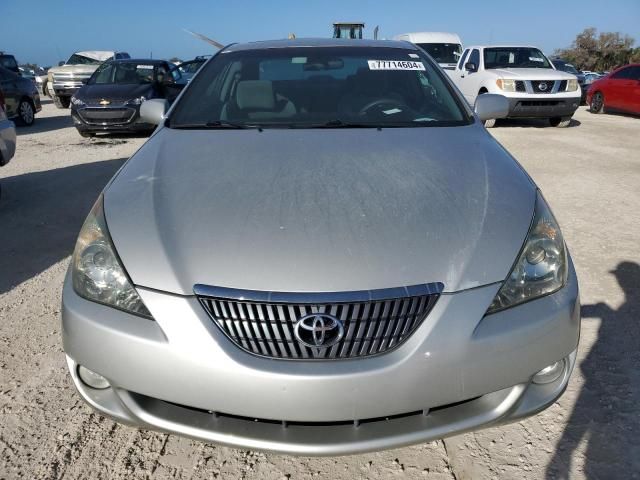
(96,270)
(541,267)
(77,102)
(572,85)
(136,101)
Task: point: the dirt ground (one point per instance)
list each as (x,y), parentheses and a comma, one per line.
(589,172)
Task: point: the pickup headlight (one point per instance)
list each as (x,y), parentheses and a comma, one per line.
(96,270)
(541,267)
(506,85)
(77,102)
(572,85)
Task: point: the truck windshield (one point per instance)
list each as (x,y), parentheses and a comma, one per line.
(514,57)
(319,87)
(443,52)
(76,59)
(129,73)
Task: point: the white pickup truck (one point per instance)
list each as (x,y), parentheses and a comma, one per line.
(525,76)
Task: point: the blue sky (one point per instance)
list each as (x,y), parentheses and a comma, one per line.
(45,31)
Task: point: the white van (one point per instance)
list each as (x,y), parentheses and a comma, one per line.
(445,48)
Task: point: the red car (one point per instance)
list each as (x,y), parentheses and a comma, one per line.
(620,91)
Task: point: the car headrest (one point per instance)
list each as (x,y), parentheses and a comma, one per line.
(255,95)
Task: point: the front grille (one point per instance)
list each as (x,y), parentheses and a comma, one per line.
(106,116)
(520,86)
(374,321)
(542,86)
(563,86)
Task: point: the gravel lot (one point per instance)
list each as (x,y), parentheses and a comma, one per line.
(589,172)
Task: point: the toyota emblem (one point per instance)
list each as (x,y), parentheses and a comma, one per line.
(318,330)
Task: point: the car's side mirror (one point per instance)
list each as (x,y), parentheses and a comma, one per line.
(471,67)
(60,63)
(152,111)
(489,106)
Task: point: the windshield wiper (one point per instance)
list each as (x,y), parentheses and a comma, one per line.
(212,125)
(337,123)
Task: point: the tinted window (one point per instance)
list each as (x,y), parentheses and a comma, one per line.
(566,67)
(128,73)
(9,62)
(628,73)
(514,57)
(310,87)
(463,59)
(475,58)
(442,52)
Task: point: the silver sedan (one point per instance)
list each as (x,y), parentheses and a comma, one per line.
(320,251)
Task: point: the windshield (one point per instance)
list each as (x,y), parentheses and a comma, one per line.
(443,52)
(76,59)
(191,67)
(566,67)
(514,57)
(319,87)
(123,74)
(9,62)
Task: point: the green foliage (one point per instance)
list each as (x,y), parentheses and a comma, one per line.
(599,52)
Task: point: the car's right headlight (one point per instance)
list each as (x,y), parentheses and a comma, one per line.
(506,85)
(96,271)
(77,102)
(572,85)
(541,267)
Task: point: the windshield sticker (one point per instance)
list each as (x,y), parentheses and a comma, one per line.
(413,55)
(299,60)
(394,65)
(146,67)
(512,57)
(536,59)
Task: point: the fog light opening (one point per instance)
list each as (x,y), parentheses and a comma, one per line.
(550,373)
(92,379)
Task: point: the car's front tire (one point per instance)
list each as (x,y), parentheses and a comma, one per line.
(597,103)
(560,122)
(61,102)
(26,113)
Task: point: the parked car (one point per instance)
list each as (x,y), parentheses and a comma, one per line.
(565,66)
(9,62)
(21,98)
(7,137)
(66,79)
(618,91)
(320,251)
(445,48)
(110,101)
(589,78)
(189,68)
(523,74)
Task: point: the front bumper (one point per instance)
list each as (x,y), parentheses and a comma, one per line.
(457,372)
(547,107)
(120,119)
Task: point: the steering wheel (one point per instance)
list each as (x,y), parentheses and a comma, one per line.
(382,101)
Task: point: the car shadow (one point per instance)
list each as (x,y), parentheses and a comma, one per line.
(606,415)
(41,214)
(531,123)
(47,124)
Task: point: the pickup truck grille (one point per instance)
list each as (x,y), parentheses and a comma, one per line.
(373,322)
(543,86)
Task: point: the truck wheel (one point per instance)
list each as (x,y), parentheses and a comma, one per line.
(26,113)
(490,123)
(61,102)
(560,122)
(597,103)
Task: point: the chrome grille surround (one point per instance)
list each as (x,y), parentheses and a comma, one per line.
(262,323)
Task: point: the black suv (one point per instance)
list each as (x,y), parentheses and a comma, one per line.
(9,62)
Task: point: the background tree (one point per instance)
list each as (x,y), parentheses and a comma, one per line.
(599,52)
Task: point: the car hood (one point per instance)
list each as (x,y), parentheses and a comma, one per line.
(313,210)
(533,74)
(91,93)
